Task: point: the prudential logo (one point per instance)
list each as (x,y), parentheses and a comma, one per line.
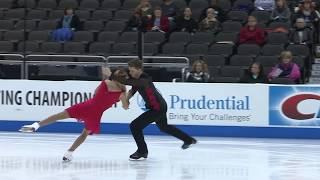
(297,107)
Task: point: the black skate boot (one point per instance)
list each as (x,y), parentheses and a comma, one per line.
(186,145)
(138,156)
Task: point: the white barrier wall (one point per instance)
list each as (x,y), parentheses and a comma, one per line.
(249,105)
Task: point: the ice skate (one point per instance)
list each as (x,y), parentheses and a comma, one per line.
(67,157)
(30,128)
(138,156)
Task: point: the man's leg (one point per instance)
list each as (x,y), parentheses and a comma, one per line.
(136,128)
(163,125)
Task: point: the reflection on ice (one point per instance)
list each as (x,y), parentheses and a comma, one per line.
(38,157)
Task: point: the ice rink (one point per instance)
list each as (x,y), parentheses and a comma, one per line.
(105,157)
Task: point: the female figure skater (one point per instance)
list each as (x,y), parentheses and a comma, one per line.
(107,93)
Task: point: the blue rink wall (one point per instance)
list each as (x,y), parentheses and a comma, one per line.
(214,131)
(221,110)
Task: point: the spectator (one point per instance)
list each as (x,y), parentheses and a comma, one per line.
(158,22)
(264,5)
(210,23)
(281,12)
(311,17)
(246,6)
(308,13)
(254,74)
(169,9)
(187,23)
(66,26)
(220,14)
(251,33)
(145,8)
(136,22)
(199,72)
(301,34)
(286,68)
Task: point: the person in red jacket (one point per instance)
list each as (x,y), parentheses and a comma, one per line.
(158,22)
(251,33)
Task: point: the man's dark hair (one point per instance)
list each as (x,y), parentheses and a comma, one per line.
(136,63)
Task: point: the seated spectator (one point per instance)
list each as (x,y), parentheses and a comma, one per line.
(199,72)
(246,6)
(169,9)
(135,22)
(210,23)
(281,12)
(286,68)
(220,14)
(66,26)
(301,34)
(254,74)
(187,23)
(158,22)
(145,8)
(308,13)
(264,5)
(251,33)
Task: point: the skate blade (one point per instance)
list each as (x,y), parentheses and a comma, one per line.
(66,160)
(140,159)
(26,130)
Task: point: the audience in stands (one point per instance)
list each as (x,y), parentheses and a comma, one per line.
(158,22)
(210,23)
(136,22)
(166,19)
(301,34)
(308,12)
(220,14)
(254,74)
(281,12)
(169,9)
(264,5)
(246,6)
(199,72)
(145,8)
(186,23)
(66,26)
(251,33)
(286,68)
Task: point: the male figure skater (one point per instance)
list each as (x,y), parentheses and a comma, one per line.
(157,111)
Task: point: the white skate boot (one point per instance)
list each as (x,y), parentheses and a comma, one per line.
(30,128)
(67,157)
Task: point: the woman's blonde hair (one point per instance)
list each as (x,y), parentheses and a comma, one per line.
(203,64)
(285,55)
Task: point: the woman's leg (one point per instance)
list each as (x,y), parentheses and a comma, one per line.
(51,119)
(54,118)
(79,140)
(68,155)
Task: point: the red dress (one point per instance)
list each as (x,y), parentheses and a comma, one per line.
(90,111)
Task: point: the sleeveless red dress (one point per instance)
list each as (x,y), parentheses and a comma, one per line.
(90,111)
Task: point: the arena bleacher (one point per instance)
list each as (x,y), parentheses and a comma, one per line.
(26,26)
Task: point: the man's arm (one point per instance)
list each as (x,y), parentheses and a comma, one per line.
(136,82)
(131,93)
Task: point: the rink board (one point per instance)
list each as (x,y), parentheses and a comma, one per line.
(228,110)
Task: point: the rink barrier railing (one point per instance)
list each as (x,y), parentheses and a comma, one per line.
(15,62)
(182,65)
(105,61)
